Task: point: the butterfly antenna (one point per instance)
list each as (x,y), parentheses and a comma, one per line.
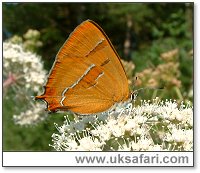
(134,94)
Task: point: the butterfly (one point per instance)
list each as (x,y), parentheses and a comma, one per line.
(87,76)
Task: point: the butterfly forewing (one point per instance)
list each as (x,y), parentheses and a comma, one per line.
(87,76)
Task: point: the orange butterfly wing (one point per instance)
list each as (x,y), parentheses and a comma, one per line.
(87,76)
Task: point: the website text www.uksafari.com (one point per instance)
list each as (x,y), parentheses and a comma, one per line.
(136,159)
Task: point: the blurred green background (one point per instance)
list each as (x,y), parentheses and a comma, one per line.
(152,38)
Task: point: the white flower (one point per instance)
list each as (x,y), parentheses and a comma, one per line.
(103,132)
(134,146)
(31,34)
(177,135)
(89,144)
(186,115)
(188,145)
(29,76)
(26,66)
(31,116)
(144,143)
(143,129)
(131,124)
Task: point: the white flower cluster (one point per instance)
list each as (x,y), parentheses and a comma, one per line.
(32,41)
(31,33)
(30,116)
(23,71)
(26,66)
(155,126)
